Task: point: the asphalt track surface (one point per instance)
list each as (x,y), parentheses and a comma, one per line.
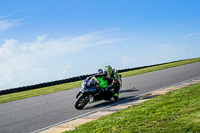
(31,114)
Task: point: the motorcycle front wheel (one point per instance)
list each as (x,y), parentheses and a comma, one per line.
(81,101)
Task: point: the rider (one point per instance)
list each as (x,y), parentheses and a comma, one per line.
(116,80)
(93,80)
(98,74)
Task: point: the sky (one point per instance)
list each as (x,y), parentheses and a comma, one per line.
(43,40)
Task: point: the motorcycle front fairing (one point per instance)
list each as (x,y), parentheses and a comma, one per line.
(90,87)
(83,86)
(87,90)
(91,90)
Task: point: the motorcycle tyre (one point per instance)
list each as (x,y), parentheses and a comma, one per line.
(78,102)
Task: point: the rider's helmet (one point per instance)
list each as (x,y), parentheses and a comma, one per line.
(100,71)
(108,70)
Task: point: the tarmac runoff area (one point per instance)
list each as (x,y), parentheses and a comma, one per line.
(73,123)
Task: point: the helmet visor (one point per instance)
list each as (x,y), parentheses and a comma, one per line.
(109,72)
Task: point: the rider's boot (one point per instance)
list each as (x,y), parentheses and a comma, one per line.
(116,92)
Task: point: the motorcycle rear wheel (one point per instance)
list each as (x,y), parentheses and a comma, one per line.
(81,101)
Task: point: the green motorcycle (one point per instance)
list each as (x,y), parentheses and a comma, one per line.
(89,91)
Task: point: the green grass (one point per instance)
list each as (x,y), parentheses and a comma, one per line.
(52,89)
(174,112)
(37,92)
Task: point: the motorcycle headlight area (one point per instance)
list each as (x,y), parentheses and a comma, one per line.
(83,83)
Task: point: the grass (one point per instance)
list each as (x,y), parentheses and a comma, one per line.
(37,92)
(56,88)
(177,111)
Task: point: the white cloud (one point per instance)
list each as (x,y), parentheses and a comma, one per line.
(189,39)
(66,70)
(126,60)
(6,24)
(169,52)
(25,63)
(192,35)
(3,17)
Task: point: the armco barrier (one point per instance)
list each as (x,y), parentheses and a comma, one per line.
(57,82)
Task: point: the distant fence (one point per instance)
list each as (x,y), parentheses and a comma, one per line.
(57,82)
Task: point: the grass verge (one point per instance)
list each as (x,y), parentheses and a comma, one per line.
(56,88)
(37,92)
(177,111)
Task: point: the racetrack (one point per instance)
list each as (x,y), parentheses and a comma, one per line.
(31,114)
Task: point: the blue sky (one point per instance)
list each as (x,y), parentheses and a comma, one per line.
(42,41)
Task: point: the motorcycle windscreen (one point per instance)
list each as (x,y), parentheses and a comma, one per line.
(91,82)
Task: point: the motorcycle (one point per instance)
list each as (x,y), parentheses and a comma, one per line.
(89,92)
